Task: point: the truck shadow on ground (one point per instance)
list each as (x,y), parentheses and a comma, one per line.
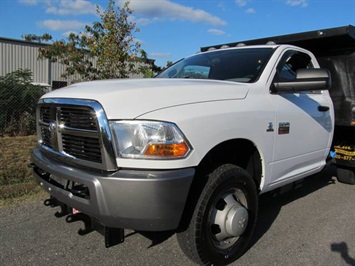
(343,249)
(270,204)
(156,238)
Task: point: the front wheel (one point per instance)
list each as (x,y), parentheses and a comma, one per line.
(224,218)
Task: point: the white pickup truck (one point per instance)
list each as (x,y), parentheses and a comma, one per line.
(189,150)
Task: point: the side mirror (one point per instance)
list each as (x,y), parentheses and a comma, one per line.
(306,80)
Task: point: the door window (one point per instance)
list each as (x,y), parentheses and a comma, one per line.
(290,63)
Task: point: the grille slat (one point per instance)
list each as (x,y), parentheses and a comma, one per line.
(45,114)
(78,118)
(46,138)
(82,147)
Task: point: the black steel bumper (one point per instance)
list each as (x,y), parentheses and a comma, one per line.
(148,200)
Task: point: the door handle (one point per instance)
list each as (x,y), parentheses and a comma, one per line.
(322,108)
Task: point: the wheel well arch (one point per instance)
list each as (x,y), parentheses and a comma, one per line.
(240,152)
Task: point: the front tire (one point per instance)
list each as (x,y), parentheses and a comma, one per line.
(224,218)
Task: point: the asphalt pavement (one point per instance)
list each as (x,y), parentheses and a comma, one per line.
(313,224)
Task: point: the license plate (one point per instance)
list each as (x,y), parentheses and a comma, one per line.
(61,181)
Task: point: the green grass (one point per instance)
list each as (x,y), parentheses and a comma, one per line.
(16,181)
(14,159)
(16,194)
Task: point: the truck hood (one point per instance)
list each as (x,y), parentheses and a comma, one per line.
(130,98)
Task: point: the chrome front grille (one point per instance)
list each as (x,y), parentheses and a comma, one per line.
(76,131)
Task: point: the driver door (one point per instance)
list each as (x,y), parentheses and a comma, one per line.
(304,124)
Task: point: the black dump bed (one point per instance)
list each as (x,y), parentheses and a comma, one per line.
(335,50)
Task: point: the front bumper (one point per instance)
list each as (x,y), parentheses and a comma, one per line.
(148,200)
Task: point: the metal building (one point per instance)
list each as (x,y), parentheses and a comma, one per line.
(16,54)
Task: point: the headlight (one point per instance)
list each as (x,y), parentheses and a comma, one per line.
(149,140)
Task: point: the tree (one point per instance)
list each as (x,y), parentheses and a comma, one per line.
(107,49)
(169,64)
(149,69)
(18,99)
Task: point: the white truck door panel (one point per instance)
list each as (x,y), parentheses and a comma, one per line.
(299,116)
(296,124)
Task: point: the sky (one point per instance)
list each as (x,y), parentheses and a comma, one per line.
(173,29)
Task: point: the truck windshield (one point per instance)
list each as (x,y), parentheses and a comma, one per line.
(238,65)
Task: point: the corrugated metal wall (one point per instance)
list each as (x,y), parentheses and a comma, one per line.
(15,55)
(57,70)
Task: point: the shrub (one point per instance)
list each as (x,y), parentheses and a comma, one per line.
(18,99)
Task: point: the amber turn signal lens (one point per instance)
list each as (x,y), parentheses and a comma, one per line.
(175,150)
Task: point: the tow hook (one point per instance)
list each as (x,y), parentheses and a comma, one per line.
(113,236)
(88,224)
(53,202)
(81,191)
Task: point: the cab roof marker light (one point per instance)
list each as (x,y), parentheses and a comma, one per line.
(224,47)
(241,44)
(270,43)
(211,49)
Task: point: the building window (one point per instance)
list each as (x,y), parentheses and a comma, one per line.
(58,84)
